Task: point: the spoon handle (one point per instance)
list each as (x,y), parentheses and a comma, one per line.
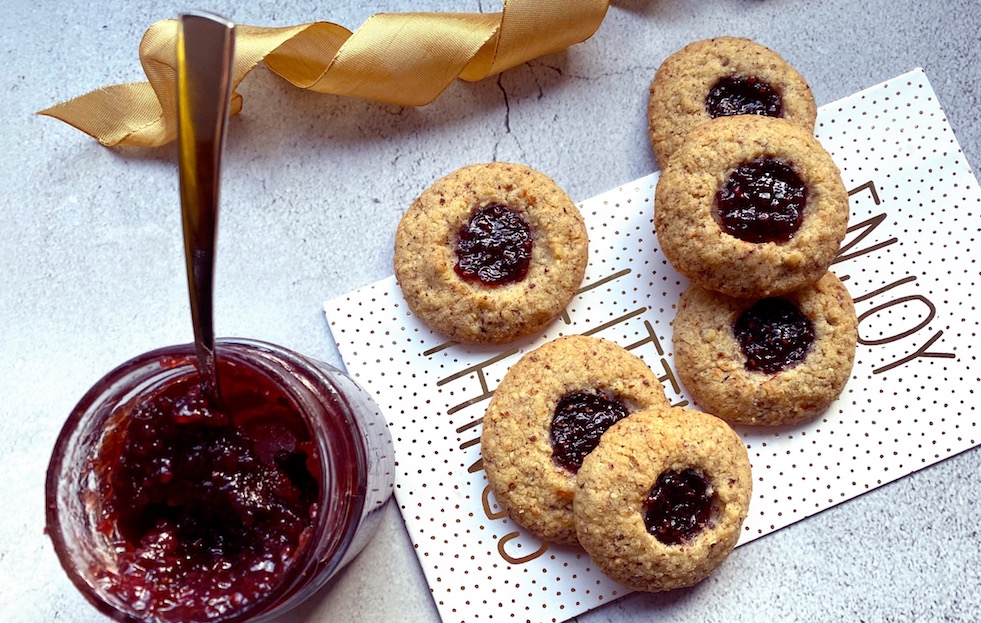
(205,46)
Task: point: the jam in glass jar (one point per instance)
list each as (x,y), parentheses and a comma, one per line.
(165,508)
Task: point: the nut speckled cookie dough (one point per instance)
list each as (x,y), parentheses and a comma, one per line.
(529,474)
(684,473)
(526,206)
(714,366)
(715,162)
(721,77)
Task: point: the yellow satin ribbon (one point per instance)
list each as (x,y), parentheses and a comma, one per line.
(402,58)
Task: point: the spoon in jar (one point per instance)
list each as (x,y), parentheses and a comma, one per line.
(205,46)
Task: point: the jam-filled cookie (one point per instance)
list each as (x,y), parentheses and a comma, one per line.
(548,413)
(661,501)
(751,207)
(490,253)
(719,78)
(770,361)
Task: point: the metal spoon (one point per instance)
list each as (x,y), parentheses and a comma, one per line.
(205,46)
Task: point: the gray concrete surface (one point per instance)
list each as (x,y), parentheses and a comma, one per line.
(92,264)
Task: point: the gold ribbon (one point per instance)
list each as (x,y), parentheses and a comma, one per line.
(402,58)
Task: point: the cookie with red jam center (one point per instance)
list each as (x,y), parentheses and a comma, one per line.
(661,501)
(490,253)
(751,206)
(723,77)
(771,361)
(548,414)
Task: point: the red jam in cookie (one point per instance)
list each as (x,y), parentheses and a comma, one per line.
(736,95)
(761,201)
(678,506)
(580,420)
(494,248)
(774,335)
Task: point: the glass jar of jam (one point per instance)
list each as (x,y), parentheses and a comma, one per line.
(163,507)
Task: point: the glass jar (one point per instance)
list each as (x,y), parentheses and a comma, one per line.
(302,444)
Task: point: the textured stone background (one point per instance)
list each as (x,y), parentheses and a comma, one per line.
(315,185)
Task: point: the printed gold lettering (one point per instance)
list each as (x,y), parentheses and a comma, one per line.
(439,347)
(669,376)
(488,510)
(931,312)
(920,352)
(477,370)
(463,405)
(867,227)
(650,339)
(875,293)
(517,560)
(869,186)
(603,281)
(469,425)
(615,321)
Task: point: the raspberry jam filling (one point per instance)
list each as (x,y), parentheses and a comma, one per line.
(761,201)
(494,248)
(774,335)
(678,506)
(736,95)
(579,421)
(206,507)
